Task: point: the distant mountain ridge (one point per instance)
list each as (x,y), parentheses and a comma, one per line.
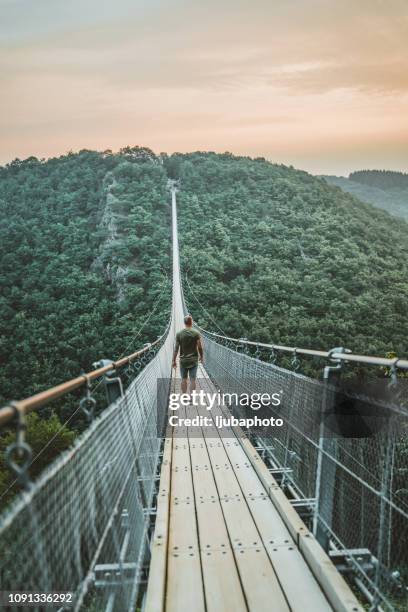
(382,188)
(382,179)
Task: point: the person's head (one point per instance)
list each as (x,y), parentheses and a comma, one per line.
(188,321)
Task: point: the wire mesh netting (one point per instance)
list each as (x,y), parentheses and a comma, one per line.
(83,526)
(357,486)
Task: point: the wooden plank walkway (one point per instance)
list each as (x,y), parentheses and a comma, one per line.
(226,538)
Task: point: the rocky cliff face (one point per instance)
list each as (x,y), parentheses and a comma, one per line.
(106,260)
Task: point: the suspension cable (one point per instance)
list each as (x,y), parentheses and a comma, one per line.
(202,307)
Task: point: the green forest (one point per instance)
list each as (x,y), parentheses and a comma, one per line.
(84,251)
(276,255)
(84,265)
(268,252)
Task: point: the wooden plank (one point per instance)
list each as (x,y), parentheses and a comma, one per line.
(222,586)
(332,582)
(333,585)
(288,514)
(258,578)
(156,587)
(184,577)
(158,565)
(295,577)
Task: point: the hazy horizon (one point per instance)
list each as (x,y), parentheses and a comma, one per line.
(320,86)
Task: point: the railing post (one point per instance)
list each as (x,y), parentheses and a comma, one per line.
(18,455)
(326,467)
(384,525)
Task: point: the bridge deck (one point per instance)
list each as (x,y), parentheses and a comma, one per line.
(226,538)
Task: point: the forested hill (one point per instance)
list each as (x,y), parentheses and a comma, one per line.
(84,254)
(385,189)
(274,254)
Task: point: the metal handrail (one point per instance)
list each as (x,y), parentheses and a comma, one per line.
(38,400)
(394,362)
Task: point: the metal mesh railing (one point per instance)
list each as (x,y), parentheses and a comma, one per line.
(357,487)
(83,525)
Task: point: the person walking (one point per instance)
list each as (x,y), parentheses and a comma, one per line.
(188,342)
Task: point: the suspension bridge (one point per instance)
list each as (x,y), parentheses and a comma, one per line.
(137,515)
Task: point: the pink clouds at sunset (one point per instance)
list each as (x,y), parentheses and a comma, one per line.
(320,85)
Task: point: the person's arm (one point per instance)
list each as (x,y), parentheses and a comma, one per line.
(200,349)
(176,350)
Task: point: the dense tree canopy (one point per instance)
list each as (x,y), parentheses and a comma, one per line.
(84,252)
(274,254)
(268,252)
(84,267)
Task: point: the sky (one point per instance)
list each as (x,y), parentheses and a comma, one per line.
(319,84)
